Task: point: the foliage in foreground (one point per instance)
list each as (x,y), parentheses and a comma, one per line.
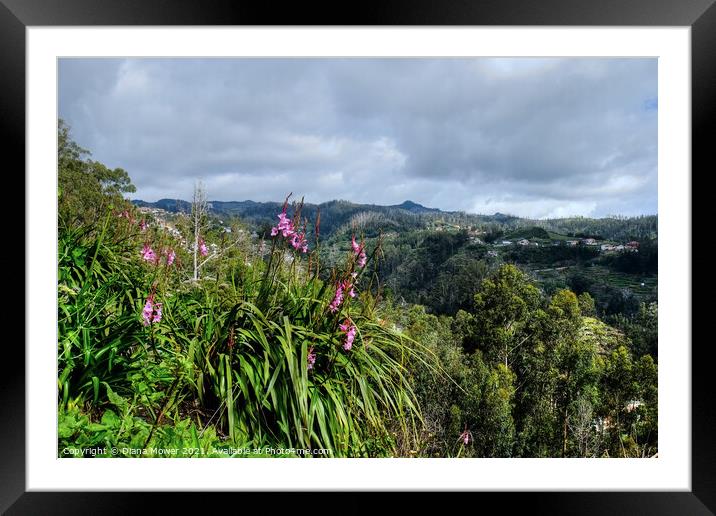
(261,355)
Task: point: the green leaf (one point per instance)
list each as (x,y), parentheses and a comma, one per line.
(116,400)
(110,419)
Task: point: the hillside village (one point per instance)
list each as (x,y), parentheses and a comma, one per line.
(165,220)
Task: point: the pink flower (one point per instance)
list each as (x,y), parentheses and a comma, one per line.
(350,330)
(337,299)
(311,358)
(143,225)
(285,225)
(298,241)
(152,312)
(465,437)
(157,317)
(171,256)
(148,254)
(147,312)
(287,229)
(202,247)
(341,288)
(356,248)
(359,251)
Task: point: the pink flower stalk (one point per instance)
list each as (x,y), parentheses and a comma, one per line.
(147,312)
(152,311)
(341,288)
(298,241)
(286,228)
(171,256)
(337,299)
(285,225)
(157,317)
(465,437)
(143,225)
(347,285)
(148,254)
(359,251)
(356,247)
(202,247)
(311,358)
(350,330)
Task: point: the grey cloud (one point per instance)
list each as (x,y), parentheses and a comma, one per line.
(534,137)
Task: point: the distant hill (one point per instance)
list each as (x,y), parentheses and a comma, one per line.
(335,215)
(414,207)
(369,219)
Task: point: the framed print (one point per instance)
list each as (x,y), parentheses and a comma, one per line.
(422,250)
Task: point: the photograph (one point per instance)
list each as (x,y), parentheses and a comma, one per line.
(357,257)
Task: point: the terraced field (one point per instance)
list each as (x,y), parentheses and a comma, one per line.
(645,287)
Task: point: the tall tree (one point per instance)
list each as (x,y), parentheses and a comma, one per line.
(503,311)
(86,188)
(198,217)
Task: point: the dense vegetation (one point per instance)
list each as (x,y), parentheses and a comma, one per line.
(336,331)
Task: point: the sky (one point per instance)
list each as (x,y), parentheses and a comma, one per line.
(532,137)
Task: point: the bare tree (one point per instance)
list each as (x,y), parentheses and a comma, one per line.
(582,426)
(198,216)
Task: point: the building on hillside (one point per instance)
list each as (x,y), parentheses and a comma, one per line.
(607,247)
(589,241)
(632,245)
(492,254)
(632,405)
(524,241)
(506,242)
(572,242)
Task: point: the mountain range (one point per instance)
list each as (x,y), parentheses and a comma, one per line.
(339,215)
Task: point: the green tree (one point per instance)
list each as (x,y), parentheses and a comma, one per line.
(86,188)
(586,304)
(503,309)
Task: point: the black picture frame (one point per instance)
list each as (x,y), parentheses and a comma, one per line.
(700,15)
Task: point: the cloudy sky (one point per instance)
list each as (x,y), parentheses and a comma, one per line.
(525,136)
